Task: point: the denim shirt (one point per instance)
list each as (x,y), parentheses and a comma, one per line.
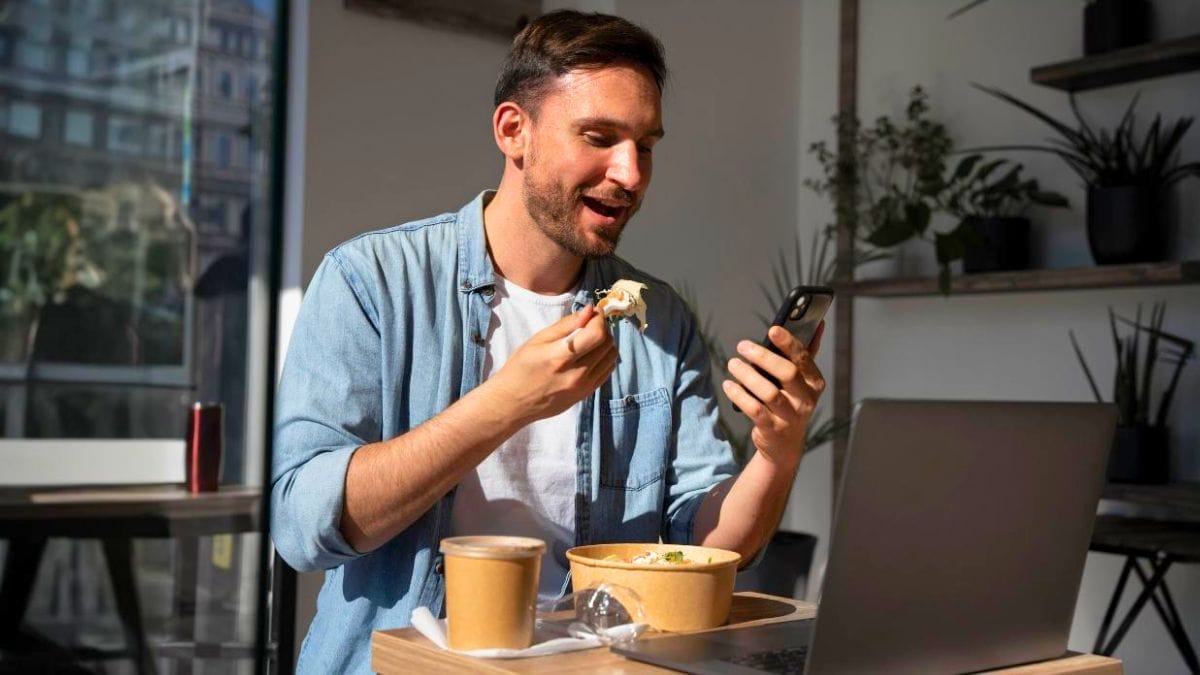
(390,333)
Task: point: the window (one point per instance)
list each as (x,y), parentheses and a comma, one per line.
(222,150)
(25,120)
(156,140)
(225,83)
(78,128)
(251,87)
(125,306)
(33,55)
(125,135)
(78,62)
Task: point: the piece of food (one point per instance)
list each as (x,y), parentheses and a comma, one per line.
(622,299)
(668,558)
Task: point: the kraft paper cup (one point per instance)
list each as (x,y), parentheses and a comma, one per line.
(491,590)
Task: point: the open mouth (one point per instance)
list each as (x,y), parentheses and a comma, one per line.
(606,210)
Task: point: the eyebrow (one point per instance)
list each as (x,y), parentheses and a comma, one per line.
(614,124)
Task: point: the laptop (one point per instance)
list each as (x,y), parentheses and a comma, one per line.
(958,545)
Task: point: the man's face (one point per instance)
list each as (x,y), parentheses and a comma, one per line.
(588,163)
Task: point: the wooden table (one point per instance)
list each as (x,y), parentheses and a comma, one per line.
(115,515)
(404,650)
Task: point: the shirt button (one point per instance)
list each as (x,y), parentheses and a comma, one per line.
(439,567)
(466,285)
(477,338)
(630,400)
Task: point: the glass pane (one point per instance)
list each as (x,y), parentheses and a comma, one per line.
(134,186)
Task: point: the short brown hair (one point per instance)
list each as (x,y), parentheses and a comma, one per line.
(565,40)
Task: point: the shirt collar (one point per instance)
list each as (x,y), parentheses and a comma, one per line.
(475,269)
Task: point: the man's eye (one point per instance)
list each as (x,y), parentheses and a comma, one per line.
(645,150)
(598,140)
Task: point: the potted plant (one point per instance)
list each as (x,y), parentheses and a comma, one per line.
(989,200)
(895,175)
(1107,24)
(1139,453)
(1127,177)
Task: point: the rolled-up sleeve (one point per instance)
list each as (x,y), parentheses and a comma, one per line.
(701,457)
(328,405)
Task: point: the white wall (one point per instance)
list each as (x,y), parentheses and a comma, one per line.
(399,124)
(1016,346)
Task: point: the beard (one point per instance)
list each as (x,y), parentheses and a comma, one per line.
(553,206)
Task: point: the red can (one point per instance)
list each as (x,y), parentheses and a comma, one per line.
(205,444)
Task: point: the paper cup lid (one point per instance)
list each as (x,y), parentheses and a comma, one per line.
(493,547)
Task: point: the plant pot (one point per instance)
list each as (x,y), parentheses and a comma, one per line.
(1139,455)
(1115,24)
(1004,245)
(1125,225)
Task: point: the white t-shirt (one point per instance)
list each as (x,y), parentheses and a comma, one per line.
(526,487)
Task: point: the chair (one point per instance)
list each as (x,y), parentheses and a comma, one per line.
(784,567)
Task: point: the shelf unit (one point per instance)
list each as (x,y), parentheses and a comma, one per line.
(1107,276)
(1124,65)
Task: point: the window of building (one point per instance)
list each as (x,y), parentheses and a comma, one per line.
(222,151)
(25,120)
(79,62)
(251,88)
(33,55)
(126,135)
(225,83)
(156,140)
(79,128)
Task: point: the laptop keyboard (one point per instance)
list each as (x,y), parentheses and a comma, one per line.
(784,661)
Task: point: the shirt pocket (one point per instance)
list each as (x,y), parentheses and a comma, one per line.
(634,433)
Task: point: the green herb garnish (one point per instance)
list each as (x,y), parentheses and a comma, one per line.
(673,556)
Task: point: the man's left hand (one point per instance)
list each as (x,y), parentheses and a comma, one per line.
(780,413)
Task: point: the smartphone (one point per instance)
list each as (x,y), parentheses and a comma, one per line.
(800,314)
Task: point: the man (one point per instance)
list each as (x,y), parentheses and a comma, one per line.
(450,376)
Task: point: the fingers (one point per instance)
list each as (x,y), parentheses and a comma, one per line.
(799,356)
(587,331)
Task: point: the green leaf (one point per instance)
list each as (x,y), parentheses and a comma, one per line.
(917,214)
(965,165)
(893,231)
(1051,199)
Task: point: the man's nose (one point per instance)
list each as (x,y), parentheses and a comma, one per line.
(625,167)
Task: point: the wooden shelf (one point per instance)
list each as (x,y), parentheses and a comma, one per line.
(1101,276)
(1124,65)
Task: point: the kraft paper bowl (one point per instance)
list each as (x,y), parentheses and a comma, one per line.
(674,597)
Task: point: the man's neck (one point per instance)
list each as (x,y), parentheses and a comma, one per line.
(520,251)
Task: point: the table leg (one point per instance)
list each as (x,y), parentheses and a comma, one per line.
(1159,568)
(1112,605)
(1165,606)
(21,562)
(118,553)
(186,574)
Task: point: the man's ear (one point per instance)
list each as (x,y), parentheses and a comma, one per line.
(510,126)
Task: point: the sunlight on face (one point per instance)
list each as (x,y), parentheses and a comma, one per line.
(589,159)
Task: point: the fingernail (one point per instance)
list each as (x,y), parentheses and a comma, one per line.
(746,347)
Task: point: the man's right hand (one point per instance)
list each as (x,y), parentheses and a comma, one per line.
(556,368)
